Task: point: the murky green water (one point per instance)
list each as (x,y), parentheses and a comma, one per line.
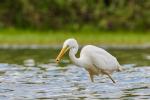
(31,74)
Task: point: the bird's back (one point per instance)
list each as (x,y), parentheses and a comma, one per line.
(99,58)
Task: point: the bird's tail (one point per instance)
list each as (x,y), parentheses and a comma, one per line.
(120,68)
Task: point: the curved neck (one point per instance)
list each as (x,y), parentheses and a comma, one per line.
(73,58)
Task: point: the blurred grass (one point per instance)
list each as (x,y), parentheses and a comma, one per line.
(29,37)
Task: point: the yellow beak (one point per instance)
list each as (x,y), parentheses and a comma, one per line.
(62,52)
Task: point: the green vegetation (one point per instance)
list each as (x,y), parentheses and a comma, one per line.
(98,22)
(28,37)
(75,14)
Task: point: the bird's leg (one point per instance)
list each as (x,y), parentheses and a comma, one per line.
(91,75)
(109,76)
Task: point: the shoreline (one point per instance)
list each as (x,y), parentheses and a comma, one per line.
(14,38)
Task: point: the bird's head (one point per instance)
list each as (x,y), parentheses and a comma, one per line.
(68,44)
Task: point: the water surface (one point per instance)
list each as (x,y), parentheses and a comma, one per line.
(31,74)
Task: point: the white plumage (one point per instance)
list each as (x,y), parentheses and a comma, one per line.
(94,59)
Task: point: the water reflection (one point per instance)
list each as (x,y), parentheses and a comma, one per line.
(46,80)
(139,57)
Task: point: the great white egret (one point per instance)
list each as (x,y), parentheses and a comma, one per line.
(94,59)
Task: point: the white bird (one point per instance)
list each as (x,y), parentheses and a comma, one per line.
(94,59)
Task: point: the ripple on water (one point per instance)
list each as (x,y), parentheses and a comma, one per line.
(71,82)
